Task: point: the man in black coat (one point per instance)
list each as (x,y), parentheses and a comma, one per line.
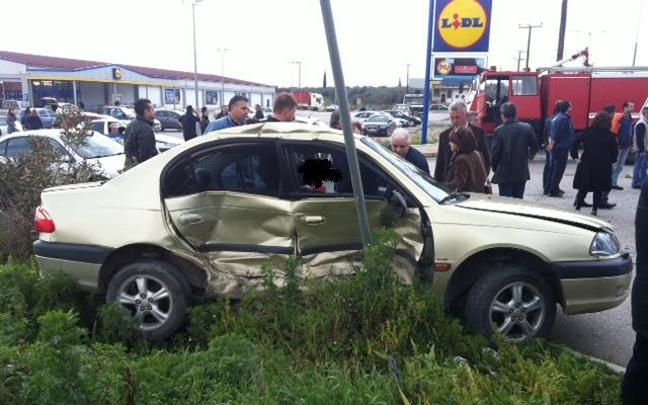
(634,389)
(401,142)
(459,118)
(139,144)
(514,143)
(188,123)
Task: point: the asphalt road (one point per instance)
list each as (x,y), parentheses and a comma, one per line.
(607,335)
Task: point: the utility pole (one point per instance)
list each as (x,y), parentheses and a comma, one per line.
(561,33)
(519,59)
(222,52)
(407,79)
(530,28)
(298,63)
(634,55)
(193,17)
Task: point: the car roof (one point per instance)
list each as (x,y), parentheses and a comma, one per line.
(50,133)
(275,130)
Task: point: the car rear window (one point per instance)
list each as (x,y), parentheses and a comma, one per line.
(97,146)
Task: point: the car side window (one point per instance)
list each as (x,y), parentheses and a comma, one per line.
(320,170)
(160,114)
(242,168)
(98,126)
(18,146)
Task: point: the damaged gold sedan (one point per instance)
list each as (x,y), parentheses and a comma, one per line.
(207,215)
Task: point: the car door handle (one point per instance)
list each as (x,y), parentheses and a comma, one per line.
(313,220)
(191,219)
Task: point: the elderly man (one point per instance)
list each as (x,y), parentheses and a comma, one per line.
(284,109)
(238,112)
(459,118)
(401,142)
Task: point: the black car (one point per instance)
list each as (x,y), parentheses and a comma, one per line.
(379,125)
(168,118)
(414,121)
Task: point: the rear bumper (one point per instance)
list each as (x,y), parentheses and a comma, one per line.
(81,262)
(594,286)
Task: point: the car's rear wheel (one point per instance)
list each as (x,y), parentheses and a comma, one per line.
(512,300)
(155,293)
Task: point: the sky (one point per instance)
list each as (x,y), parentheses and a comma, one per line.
(377,38)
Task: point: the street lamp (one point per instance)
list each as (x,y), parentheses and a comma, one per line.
(193,17)
(407,78)
(4,93)
(222,53)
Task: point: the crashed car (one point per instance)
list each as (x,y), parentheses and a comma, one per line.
(205,217)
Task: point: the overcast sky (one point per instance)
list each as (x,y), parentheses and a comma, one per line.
(377,38)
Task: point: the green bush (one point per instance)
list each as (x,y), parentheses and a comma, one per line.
(360,339)
(24,178)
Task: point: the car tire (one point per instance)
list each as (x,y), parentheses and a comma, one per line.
(513,299)
(155,293)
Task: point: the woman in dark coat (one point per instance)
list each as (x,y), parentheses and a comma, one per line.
(594,170)
(466,170)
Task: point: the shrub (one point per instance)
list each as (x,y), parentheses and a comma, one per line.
(24,178)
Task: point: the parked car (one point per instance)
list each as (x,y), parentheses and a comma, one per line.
(209,214)
(98,149)
(46,115)
(361,116)
(438,107)
(168,118)
(332,107)
(14,104)
(162,142)
(379,125)
(3,125)
(126,114)
(310,121)
(413,121)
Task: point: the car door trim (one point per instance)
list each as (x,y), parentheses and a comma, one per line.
(235,247)
(72,252)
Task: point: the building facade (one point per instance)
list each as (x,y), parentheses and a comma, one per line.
(34,78)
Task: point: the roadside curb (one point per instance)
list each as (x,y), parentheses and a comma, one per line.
(613,367)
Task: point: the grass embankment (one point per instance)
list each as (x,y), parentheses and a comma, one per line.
(364,339)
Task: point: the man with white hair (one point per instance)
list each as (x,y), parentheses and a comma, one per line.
(459,118)
(401,142)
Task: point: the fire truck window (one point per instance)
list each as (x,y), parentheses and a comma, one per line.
(524,86)
(491,91)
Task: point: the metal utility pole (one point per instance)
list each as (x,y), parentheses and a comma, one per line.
(349,140)
(530,28)
(193,17)
(519,59)
(561,33)
(407,79)
(634,55)
(298,63)
(222,52)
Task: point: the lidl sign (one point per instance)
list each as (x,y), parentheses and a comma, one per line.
(462,25)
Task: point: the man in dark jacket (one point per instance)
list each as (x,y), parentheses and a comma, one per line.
(188,123)
(33,121)
(401,142)
(634,389)
(514,143)
(562,135)
(459,118)
(284,109)
(626,132)
(641,141)
(139,144)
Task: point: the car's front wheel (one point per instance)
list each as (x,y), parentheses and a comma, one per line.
(512,300)
(155,293)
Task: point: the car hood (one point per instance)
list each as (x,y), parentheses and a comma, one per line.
(512,206)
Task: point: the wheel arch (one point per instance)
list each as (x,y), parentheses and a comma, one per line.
(476,265)
(194,274)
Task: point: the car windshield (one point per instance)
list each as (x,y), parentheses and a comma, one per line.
(378,118)
(97,146)
(433,188)
(130,113)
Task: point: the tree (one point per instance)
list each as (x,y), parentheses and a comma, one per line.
(399,82)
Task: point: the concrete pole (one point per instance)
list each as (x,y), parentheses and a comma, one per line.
(222,52)
(561,32)
(407,78)
(193,17)
(530,28)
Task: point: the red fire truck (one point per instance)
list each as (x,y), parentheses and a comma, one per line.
(589,89)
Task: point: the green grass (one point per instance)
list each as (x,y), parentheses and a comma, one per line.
(364,339)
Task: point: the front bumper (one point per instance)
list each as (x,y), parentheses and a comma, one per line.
(593,286)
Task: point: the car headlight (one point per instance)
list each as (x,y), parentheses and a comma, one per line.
(605,244)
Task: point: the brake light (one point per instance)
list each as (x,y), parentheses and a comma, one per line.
(43,222)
